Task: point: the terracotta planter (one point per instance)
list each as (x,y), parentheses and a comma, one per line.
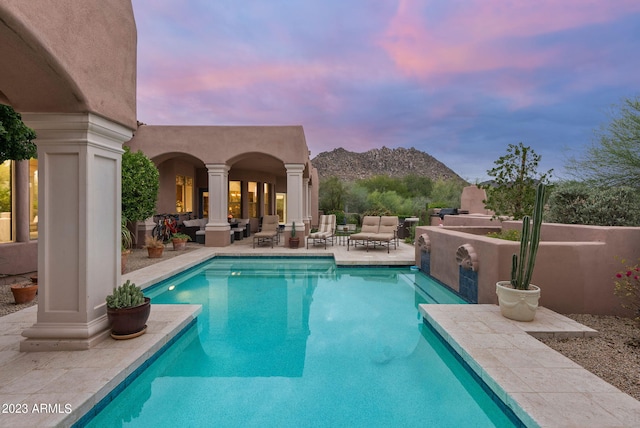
(129,322)
(155,252)
(179,244)
(24,293)
(518,305)
(294,242)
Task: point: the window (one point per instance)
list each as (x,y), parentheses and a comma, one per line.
(184,194)
(252,199)
(266,199)
(6,202)
(33,199)
(235,199)
(281,207)
(204,204)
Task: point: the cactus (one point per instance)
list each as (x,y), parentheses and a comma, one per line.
(126,296)
(293,230)
(522,267)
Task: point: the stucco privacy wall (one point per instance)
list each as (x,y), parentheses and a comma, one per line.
(575,264)
(69,56)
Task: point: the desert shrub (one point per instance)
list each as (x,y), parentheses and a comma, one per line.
(339,216)
(627,287)
(582,203)
(508,234)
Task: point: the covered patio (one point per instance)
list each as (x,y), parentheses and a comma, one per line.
(244,172)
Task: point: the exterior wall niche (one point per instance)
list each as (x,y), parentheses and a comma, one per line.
(467,260)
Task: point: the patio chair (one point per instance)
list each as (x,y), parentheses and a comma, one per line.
(269,231)
(325,231)
(387,233)
(370,226)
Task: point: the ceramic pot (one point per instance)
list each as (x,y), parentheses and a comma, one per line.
(517,305)
(129,321)
(179,244)
(294,242)
(155,252)
(24,293)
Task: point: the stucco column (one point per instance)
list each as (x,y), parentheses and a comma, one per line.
(79,200)
(217,229)
(295,199)
(306,211)
(21,203)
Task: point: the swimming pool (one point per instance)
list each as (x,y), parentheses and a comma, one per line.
(301,342)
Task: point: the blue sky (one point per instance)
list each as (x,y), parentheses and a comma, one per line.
(458,79)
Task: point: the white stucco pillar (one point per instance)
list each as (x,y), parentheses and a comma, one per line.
(217,229)
(307,200)
(295,198)
(79,202)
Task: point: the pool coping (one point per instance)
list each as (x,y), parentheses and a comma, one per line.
(540,385)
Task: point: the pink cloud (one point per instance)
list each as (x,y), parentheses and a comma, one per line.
(475,37)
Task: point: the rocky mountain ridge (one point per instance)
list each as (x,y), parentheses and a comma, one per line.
(399,162)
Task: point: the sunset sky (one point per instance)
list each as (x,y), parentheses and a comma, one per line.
(458,79)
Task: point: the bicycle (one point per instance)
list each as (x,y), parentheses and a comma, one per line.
(166,227)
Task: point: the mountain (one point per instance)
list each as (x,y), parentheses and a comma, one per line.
(349,166)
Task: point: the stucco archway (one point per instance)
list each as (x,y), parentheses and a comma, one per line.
(276,155)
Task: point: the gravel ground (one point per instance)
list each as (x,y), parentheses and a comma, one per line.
(613,355)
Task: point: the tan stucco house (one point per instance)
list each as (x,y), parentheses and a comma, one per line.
(69,68)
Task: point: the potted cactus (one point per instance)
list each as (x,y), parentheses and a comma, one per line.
(518,298)
(294,241)
(128,311)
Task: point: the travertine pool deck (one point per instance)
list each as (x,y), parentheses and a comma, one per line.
(552,390)
(542,386)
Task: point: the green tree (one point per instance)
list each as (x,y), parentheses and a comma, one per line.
(384,183)
(140,183)
(516,176)
(332,194)
(356,198)
(614,159)
(15,137)
(446,194)
(417,186)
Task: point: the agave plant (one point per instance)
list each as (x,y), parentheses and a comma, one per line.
(522,267)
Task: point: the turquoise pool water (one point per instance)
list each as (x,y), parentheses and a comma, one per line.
(302,343)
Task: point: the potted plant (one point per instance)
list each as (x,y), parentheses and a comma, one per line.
(518,298)
(179,241)
(154,246)
(24,293)
(294,241)
(128,311)
(126,242)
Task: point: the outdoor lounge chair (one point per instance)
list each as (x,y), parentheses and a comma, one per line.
(325,230)
(269,230)
(387,233)
(370,226)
